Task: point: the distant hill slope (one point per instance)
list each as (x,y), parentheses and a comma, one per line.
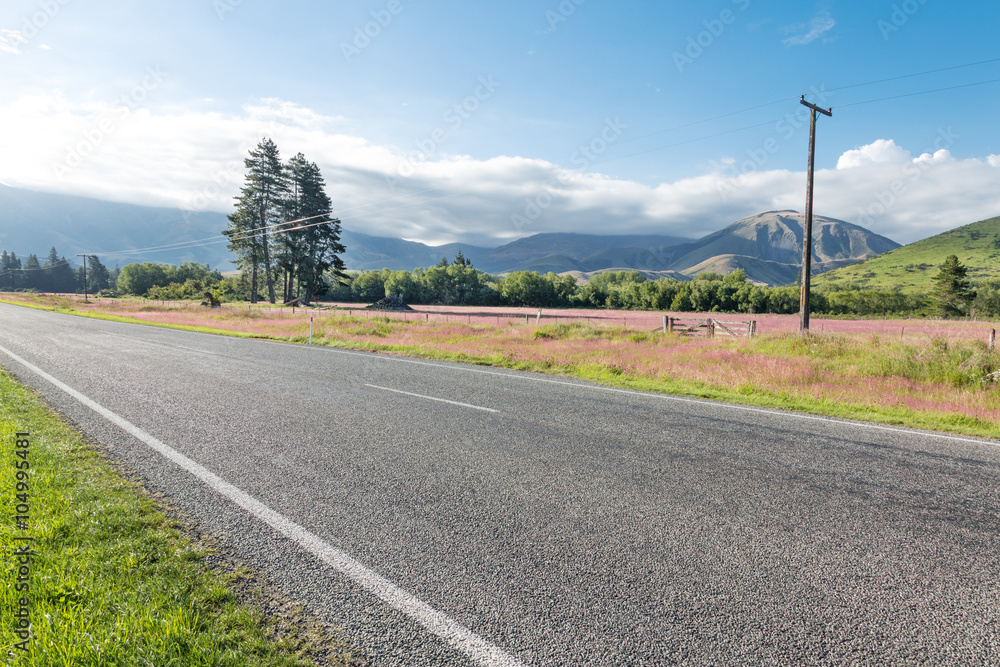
(33,222)
(521,255)
(912,268)
(367,253)
(768,246)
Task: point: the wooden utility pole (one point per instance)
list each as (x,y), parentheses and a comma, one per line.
(808,227)
(84,276)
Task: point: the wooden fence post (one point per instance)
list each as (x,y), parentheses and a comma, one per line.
(711,328)
(664,324)
(993,339)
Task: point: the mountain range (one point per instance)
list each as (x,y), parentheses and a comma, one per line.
(767,246)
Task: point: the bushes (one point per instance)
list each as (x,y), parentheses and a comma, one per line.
(460,284)
(141,279)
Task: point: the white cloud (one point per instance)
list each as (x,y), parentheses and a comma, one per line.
(194,160)
(881,151)
(801,34)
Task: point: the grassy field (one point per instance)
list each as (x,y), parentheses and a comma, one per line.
(112,580)
(912,267)
(928,375)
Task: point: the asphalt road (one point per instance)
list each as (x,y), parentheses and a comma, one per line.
(451,514)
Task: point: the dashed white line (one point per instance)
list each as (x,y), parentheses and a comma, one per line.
(528,377)
(454,633)
(432,398)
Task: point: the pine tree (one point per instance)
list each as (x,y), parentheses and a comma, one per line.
(292,241)
(312,246)
(57,274)
(258,208)
(11,276)
(98,277)
(461,260)
(952,292)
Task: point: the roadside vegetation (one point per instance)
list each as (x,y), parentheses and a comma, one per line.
(458,283)
(113,580)
(934,377)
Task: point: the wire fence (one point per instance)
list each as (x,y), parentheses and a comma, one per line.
(900,329)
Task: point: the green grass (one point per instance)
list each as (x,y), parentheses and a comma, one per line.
(912,267)
(854,377)
(114,581)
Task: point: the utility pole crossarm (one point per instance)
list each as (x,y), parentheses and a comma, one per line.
(827,112)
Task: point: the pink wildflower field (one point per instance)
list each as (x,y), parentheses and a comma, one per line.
(921,372)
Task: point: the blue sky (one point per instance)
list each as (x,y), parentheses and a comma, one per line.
(483,122)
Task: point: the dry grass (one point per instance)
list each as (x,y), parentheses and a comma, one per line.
(935,375)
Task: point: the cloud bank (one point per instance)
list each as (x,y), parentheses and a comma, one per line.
(194,160)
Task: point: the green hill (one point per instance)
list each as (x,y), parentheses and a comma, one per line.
(912,268)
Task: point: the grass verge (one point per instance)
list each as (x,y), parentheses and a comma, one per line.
(112,580)
(932,383)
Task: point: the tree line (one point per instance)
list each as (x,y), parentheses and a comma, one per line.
(458,283)
(55,274)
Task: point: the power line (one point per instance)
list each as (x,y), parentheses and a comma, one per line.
(260,231)
(922,92)
(707,120)
(907,76)
(697,139)
(830,90)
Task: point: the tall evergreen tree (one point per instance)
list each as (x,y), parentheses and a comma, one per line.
(292,241)
(258,208)
(952,292)
(11,276)
(97,274)
(94,273)
(246,245)
(311,247)
(31,276)
(57,274)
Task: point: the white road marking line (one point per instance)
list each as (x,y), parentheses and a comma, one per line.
(431,398)
(451,631)
(664,397)
(677,399)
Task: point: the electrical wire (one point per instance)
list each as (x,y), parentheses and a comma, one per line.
(261,231)
(907,76)
(706,120)
(923,92)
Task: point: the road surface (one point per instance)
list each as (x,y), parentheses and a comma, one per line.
(450,514)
